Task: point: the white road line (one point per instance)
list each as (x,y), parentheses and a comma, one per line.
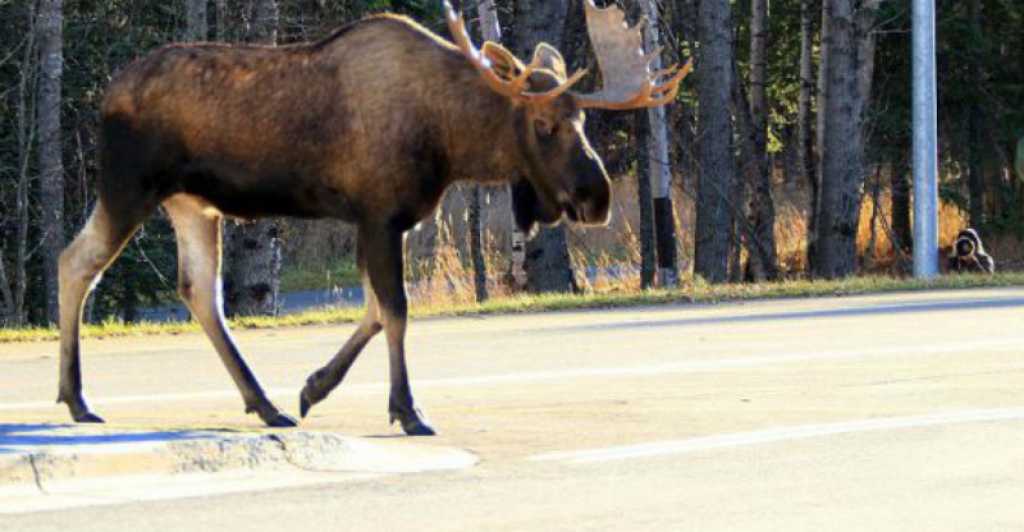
(690,366)
(785,434)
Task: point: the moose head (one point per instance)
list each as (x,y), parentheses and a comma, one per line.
(563,175)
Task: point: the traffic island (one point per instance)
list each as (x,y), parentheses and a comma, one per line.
(44,467)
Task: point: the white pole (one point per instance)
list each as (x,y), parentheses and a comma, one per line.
(926,199)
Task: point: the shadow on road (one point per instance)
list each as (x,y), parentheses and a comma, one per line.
(951,305)
(19,437)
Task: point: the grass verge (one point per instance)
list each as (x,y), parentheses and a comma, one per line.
(692,293)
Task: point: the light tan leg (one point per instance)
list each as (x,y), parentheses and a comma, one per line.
(199,255)
(81,264)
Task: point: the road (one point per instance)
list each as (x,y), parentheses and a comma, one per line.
(894,412)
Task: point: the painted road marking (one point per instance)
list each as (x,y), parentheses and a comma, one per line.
(690,366)
(785,434)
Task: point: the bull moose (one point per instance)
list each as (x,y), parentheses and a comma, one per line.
(369,126)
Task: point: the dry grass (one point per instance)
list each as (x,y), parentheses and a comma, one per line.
(690,292)
(442,283)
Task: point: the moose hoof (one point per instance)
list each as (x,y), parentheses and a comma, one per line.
(88,417)
(414,424)
(308,398)
(273,417)
(79,409)
(280,421)
(304,405)
(314,391)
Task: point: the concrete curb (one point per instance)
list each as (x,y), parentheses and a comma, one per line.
(51,467)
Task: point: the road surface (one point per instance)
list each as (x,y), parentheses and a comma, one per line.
(894,412)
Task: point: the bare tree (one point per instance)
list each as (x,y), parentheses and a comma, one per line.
(847,68)
(50,29)
(658,166)
(763,254)
(253,250)
(547,266)
(714,129)
(25,131)
(804,116)
(821,99)
(491,31)
(975,175)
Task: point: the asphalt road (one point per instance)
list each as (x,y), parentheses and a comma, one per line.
(897,412)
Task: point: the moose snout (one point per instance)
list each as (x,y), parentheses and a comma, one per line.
(592,203)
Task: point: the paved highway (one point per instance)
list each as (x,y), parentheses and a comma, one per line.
(896,412)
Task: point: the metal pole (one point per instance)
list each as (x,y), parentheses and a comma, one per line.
(926,198)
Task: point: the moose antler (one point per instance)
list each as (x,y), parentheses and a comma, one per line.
(628,80)
(517,86)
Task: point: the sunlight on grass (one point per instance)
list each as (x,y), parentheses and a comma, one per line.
(694,292)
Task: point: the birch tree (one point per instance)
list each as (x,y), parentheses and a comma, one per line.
(253,250)
(491,31)
(50,27)
(658,167)
(548,267)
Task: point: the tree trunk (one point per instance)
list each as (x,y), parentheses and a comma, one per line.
(51,168)
(648,254)
(25,130)
(476,243)
(842,143)
(975,176)
(762,204)
(714,129)
(253,250)
(547,264)
(223,27)
(490,30)
(819,132)
(805,132)
(659,167)
(196,29)
(6,296)
(900,215)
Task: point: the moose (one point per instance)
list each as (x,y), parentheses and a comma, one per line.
(369,126)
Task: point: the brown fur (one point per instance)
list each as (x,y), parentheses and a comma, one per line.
(369,126)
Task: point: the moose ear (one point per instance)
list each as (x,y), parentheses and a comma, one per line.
(549,58)
(503,62)
(527,209)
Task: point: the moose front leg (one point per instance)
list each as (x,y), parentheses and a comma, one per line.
(383,252)
(324,380)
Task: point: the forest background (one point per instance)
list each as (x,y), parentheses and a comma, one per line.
(786,155)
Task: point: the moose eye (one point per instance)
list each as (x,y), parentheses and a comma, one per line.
(544,129)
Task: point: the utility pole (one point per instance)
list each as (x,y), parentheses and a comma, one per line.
(926,198)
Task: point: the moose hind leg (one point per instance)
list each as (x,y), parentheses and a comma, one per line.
(199,255)
(383,251)
(81,264)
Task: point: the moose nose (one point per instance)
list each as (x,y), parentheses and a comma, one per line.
(593,203)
